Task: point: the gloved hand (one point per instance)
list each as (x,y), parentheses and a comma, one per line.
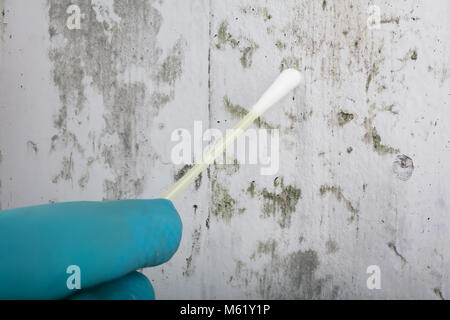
(108,241)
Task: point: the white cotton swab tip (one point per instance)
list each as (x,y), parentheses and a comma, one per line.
(287,81)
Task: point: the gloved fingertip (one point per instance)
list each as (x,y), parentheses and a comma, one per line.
(134,286)
(161,228)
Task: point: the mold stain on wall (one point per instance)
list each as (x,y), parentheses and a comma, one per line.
(393,247)
(195,251)
(227,168)
(352,47)
(438,292)
(66,170)
(332,246)
(2,19)
(180,173)
(337,192)
(238,112)
(344,117)
(246,46)
(99,55)
(280,202)
(172,67)
(33,146)
(223,205)
(290,62)
(372,136)
(257,11)
(285,276)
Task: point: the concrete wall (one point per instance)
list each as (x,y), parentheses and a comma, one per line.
(365,143)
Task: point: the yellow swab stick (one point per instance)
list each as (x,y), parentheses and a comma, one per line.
(285,83)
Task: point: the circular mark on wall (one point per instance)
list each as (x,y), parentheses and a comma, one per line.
(403,167)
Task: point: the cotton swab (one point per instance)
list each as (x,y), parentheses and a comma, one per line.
(285,83)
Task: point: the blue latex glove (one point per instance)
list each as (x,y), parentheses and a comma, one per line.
(108,241)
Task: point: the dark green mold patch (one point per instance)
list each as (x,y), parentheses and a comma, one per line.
(224,37)
(113,190)
(180,173)
(251,190)
(411,55)
(2,19)
(257,11)
(33,146)
(223,205)
(290,62)
(99,56)
(294,119)
(300,267)
(280,45)
(373,72)
(280,203)
(390,108)
(238,112)
(195,250)
(229,168)
(344,117)
(83,181)
(332,246)
(388,20)
(283,200)
(66,171)
(246,47)
(374,138)
(268,247)
(208,221)
(172,67)
(158,100)
(393,247)
(381,88)
(291,276)
(438,292)
(337,192)
(247,54)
